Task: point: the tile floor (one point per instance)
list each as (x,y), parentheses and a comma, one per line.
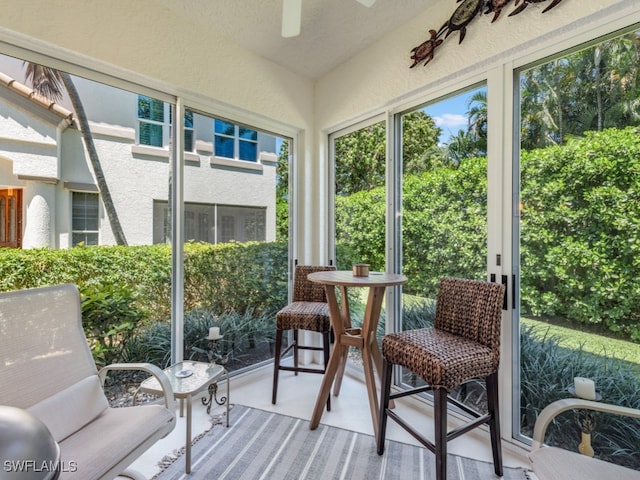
(296,397)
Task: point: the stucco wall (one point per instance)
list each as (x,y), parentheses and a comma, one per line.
(380,76)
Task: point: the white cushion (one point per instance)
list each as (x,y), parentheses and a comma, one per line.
(551,463)
(67,411)
(111,438)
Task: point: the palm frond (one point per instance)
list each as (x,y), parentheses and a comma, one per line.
(44,80)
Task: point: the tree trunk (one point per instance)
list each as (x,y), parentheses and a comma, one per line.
(597,56)
(103,188)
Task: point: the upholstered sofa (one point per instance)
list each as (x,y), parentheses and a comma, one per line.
(46,368)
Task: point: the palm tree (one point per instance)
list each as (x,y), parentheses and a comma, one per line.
(477,120)
(48,82)
(461,146)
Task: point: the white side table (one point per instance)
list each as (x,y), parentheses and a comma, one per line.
(188,379)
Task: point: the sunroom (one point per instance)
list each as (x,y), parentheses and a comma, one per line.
(502,148)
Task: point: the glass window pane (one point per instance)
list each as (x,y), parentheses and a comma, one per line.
(248,151)
(360,208)
(224,128)
(188,119)
(224,147)
(151,134)
(248,134)
(188,140)
(150,108)
(84,218)
(444,211)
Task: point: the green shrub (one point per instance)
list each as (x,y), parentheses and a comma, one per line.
(580,235)
(580,238)
(110,319)
(236,276)
(443,221)
(125,287)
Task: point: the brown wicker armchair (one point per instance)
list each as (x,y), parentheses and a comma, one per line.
(464,344)
(308,311)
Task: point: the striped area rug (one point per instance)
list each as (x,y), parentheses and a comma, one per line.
(262,445)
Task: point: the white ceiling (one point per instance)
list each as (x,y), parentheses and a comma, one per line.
(332,31)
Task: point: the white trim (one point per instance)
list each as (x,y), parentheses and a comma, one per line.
(81,187)
(33,178)
(268,158)
(161,152)
(235,164)
(34,50)
(204,146)
(124,133)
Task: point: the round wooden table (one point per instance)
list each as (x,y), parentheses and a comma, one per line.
(345,336)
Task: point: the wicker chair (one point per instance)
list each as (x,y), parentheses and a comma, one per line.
(308,311)
(463,345)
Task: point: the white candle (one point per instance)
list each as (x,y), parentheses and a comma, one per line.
(585,388)
(214,332)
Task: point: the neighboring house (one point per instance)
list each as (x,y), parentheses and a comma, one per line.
(49,198)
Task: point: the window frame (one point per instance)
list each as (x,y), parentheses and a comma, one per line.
(166,125)
(85,232)
(237,139)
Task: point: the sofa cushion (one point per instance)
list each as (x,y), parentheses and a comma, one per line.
(91,452)
(68,410)
(552,463)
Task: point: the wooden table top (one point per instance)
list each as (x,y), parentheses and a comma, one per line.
(346,278)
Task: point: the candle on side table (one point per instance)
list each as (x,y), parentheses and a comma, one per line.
(585,388)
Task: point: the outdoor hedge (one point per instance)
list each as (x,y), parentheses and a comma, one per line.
(580,228)
(228,277)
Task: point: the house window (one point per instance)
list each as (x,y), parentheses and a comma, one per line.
(155,120)
(227,228)
(188,131)
(234,141)
(213,223)
(84,218)
(151,121)
(255,225)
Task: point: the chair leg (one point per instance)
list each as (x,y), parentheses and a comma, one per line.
(440,421)
(494,422)
(385,391)
(325,351)
(276,366)
(295,351)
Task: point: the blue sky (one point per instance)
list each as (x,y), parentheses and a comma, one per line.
(451,114)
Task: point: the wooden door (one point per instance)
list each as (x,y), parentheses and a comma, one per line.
(11,217)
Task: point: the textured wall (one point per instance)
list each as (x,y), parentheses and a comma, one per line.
(380,76)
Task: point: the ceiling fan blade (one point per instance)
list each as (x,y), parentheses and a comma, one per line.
(291,14)
(367,3)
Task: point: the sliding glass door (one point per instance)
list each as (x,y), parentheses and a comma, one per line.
(360,208)
(579,241)
(444,207)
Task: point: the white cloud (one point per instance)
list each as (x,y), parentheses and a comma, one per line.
(450,120)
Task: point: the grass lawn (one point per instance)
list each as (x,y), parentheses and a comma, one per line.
(590,342)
